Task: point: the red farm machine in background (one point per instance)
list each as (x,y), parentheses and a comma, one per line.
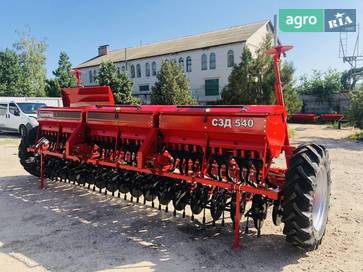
(300,117)
(219,158)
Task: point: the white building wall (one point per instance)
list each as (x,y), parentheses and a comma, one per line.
(198,76)
(253,43)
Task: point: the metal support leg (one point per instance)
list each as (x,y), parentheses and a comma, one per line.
(41,178)
(236,244)
(223,218)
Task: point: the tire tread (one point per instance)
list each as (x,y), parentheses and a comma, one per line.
(298,194)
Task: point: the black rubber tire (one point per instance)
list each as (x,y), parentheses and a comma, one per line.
(308,166)
(27,159)
(23,131)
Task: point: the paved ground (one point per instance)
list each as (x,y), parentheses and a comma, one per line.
(70,228)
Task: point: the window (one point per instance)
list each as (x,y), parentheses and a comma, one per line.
(94,75)
(147,99)
(132,71)
(189,64)
(123,68)
(212,61)
(181,63)
(212,87)
(13,108)
(138,70)
(230,58)
(3,108)
(144,88)
(153,68)
(30,108)
(147,69)
(90,75)
(204,64)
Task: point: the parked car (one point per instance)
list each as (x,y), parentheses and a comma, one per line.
(19,117)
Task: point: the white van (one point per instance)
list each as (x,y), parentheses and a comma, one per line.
(19,117)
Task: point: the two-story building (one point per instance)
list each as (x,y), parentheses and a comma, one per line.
(207,59)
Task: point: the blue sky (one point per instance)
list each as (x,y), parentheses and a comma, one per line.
(79,27)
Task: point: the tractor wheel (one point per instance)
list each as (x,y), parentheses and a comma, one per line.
(23,131)
(307,195)
(27,159)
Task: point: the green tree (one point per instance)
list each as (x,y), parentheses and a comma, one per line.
(291,97)
(32,62)
(63,73)
(240,88)
(172,86)
(252,80)
(350,78)
(10,73)
(52,88)
(118,81)
(320,83)
(63,77)
(355,112)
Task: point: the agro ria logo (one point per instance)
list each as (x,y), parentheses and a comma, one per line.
(340,20)
(337,20)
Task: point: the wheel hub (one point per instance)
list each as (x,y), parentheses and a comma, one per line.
(320,203)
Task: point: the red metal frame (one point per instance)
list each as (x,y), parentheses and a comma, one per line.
(304,117)
(313,117)
(256,132)
(86,96)
(331,117)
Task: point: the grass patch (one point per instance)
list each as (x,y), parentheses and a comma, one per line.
(358,136)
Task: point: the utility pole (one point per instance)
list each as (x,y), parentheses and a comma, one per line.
(275,30)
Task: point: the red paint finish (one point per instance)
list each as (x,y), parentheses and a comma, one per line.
(331,117)
(77,73)
(304,117)
(41,178)
(313,117)
(236,244)
(87,96)
(276,55)
(185,143)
